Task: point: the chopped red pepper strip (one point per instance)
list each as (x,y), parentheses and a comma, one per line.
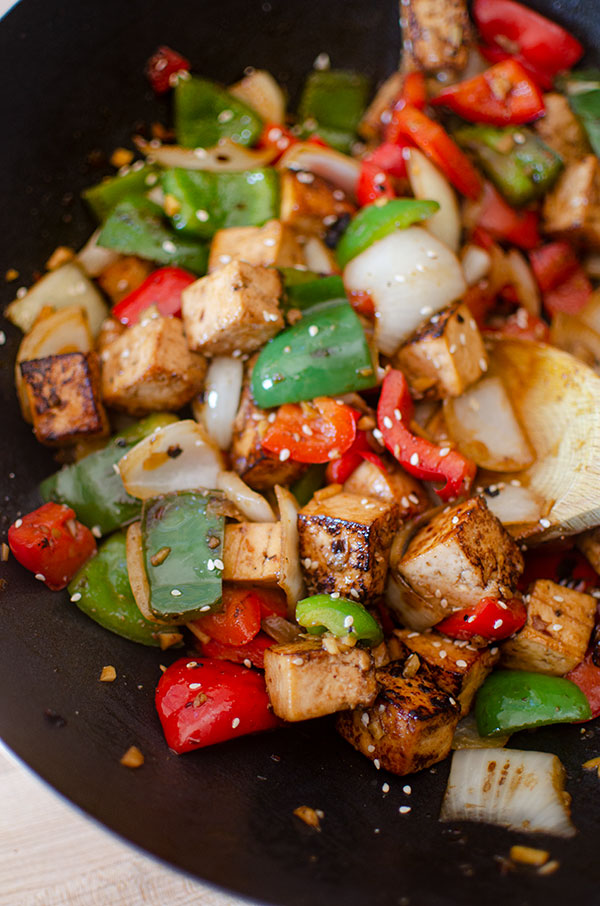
(162,288)
(341,469)
(239,620)
(276,136)
(558,565)
(491,619)
(311,432)
(495,54)
(523,325)
(253,651)
(162,66)
(413,94)
(553,263)
(417,455)
(502,222)
(389,157)
(373,184)
(569,296)
(586,675)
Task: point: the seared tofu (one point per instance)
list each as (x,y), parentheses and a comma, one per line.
(557,633)
(394,486)
(589,545)
(444,356)
(123,276)
(252,552)
(345,544)
(233,310)
(561,129)
(410,725)
(273,245)
(305,680)
(572,208)
(378,111)
(151,368)
(63,394)
(462,555)
(110,330)
(311,204)
(435,35)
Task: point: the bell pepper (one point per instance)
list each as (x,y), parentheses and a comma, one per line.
(503,223)
(136,227)
(313,479)
(413,94)
(275,135)
(417,455)
(538,40)
(314,432)
(389,157)
(560,566)
(586,105)
(162,68)
(502,95)
(435,142)
(203,701)
(374,184)
(523,325)
(93,488)
(204,202)
(332,104)
(341,617)
(376,221)
(239,620)
(206,113)
(586,676)
(324,353)
(491,619)
(564,283)
(512,700)
(519,164)
(182,547)
(252,652)
(340,470)
(162,288)
(101,590)
(495,54)
(51,543)
(304,289)
(135,182)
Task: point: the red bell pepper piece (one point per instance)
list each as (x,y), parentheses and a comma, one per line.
(278,137)
(586,675)
(252,652)
(553,263)
(497,55)
(389,157)
(51,543)
(311,432)
(239,620)
(362,303)
(339,470)
(435,142)
(204,701)
(413,94)
(519,30)
(504,223)
(503,95)
(559,565)
(417,455)
(373,184)
(162,68)
(162,288)
(570,296)
(524,326)
(491,619)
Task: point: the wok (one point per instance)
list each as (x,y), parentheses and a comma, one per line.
(72,82)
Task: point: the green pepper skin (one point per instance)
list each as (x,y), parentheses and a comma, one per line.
(324,354)
(313,479)
(519,164)
(136,227)
(376,221)
(340,616)
(101,590)
(190,527)
(92,487)
(205,113)
(335,99)
(512,700)
(586,106)
(106,195)
(246,198)
(303,289)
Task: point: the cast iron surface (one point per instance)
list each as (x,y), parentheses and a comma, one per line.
(71,77)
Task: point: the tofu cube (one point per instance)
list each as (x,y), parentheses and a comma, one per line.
(572,208)
(273,245)
(252,552)
(561,130)
(234,309)
(305,680)
(345,544)
(557,633)
(63,395)
(462,555)
(150,367)
(394,486)
(436,35)
(124,275)
(310,204)
(589,545)
(444,356)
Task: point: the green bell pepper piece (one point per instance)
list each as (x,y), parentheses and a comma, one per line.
(213,201)
(519,164)
(586,106)
(335,100)
(309,289)
(512,700)
(106,195)
(340,617)
(324,354)
(92,487)
(205,113)
(313,479)
(182,546)
(136,227)
(375,221)
(101,590)
(577,81)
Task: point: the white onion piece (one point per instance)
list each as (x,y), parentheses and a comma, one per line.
(252,505)
(178,457)
(466,736)
(222,158)
(476,264)
(522,791)
(341,170)
(222,389)
(93,258)
(426,181)
(261,92)
(409,275)
(318,257)
(524,283)
(571,333)
(280,629)
(290,579)
(136,572)
(515,505)
(483,424)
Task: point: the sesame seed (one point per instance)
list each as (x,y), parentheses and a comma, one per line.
(76,597)
(377,763)
(365,719)
(545,523)
(349,621)
(412,635)
(498,623)
(269,243)
(556,627)
(235,723)
(313,330)
(306,178)
(205,608)
(219,564)
(225,116)
(322,61)
(224,259)
(388,423)
(404,809)
(462,339)
(18,523)
(267,384)
(444,451)
(284,454)
(483,364)
(298,661)
(558,598)
(202,215)
(306,563)
(397,415)
(377,434)
(385,788)
(116,468)
(407,789)
(493,650)
(414,459)
(169,247)
(354,593)
(40,577)
(195,685)
(247,663)
(444,602)
(461,663)
(175,592)
(413,499)
(443,654)
(426,310)
(370,748)
(2,338)
(405,502)
(210,564)
(96,532)
(333,454)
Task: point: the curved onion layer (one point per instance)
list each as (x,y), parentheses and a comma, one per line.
(221,398)
(410,275)
(94,258)
(523,282)
(318,257)
(428,182)
(261,92)
(136,571)
(337,168)
(574,335)
(522,791)
(222,158)
(514,504)
(290,579)
(178,457)
(476,264)
(252,505)
(466,736)
(279,629)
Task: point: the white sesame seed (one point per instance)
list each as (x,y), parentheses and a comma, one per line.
(377,763)
(247,663)
(116,468)
(210,564)
(405,502)
(235,723)
(397,415)
(483,364)
(267,384)
(205,608)
(76,596)
(202,215)
(284,454)
(175,592)
(498,623)
(404,809)
(322,61)
(426,310)
(444,451)
(313,330)
(40,577)
(169,247)
(269,243)
(370,748)
(414,459)
(354,593)
(191,664)
(461,663)
(443,654)
(385,788)
(387,422)
(224,259)
(558,598)
(298,661)
(225,116)
(333,454)
(195,685)
(306,178)
(2,338)
(96,531)
(348,621)
(307,430)
(18,523)
(365,719)
(407,789)
(444,602)
(493,650)
(556,627)
(545,523)
(455,520)
(462,339)
(306,563)
(219,564)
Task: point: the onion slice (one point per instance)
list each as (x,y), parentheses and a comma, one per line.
(520,790)
(523,282)
(476,263)
(252,505)
(94,258)
(279,629)
(426,181)
(318,257)
(290,579)
(261,92)
(223,158)
(466,736)
(574,335)
(221,398)
(515,505)
(136,571)
(337,168)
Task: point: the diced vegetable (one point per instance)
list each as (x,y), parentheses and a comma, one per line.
(252,505)
(239,620)
(262,92)
(376,221)
(339,169)
(491,619)
(374,184)
(250,654)
(163,68)
(303,289)
(162,288)
(587,107)
(427,181)
(339,616)
(313,479)
(206,113)
(587,677)
(312,432)
(504,94)
(221,398)
(504,223)
(332,104)
(135,182)
(223,158)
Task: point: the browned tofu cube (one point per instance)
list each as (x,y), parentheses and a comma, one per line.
(557,633)
(305,680)
(273,245)
(410,725)
(435,34)
(123,276)
(393,485)
(63,394)
(444,356)
(252,552)
(572,208)
(311,204)
(561,130)
(234,309)
(150,367)
(462,555)
(345,544)
(110,330)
